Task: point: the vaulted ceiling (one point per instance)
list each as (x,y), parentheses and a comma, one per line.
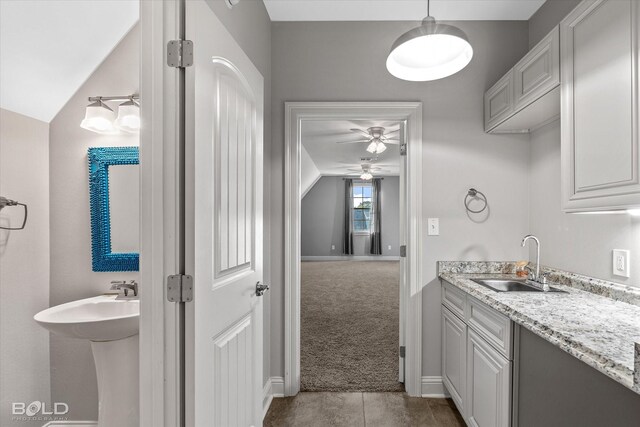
(48,49)
(326,143)
(401,10)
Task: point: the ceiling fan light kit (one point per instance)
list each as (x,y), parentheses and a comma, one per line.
(429,52)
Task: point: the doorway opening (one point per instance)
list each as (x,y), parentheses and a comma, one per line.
(350,255)
(363,319)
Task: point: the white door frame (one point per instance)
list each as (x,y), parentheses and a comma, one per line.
(160,358)
(295,114)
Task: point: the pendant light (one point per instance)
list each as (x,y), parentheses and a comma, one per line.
(98,117)
(128,116)
(431,51)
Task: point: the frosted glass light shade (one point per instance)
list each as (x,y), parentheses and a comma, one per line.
(99,118)
(373,147)
(381,148)
(128,117)
(431,51)
(366,176)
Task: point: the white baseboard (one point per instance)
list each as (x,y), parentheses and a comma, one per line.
(351,258)
(274,387)
(433,387)
(71,424)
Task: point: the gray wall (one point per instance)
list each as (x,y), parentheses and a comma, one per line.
(73,378)
(322,218)
(24,263)
(578,243)
(547,17)
(249,24)
(345,61)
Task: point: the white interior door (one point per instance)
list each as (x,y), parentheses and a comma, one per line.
(224,122)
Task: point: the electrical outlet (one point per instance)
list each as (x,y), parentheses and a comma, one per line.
(333,247)
(621,263)
(433,227)
(389,247)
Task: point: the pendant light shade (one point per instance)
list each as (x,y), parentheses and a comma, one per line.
(128,116)
(98,118)
(431,51)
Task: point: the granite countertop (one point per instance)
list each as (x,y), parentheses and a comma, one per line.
(600,331)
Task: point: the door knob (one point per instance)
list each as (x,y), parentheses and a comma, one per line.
(261,289)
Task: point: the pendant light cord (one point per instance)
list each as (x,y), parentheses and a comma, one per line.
(428,7)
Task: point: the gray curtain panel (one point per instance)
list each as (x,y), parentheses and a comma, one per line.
(376,209)
(347,238)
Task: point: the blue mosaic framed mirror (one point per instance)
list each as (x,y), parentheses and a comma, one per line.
(114,203)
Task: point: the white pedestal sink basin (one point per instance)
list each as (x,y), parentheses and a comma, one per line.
(112,327)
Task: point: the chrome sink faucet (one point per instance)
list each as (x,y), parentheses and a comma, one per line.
(534,276)
(116,285)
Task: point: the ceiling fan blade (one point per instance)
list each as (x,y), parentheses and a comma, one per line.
(352,142)
(362,132)
(392,132)
(392,142)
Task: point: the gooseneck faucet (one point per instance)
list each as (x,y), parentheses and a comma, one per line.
(536,277)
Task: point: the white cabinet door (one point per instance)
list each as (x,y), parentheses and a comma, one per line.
(538,72)
(600,150)
(498,102)
(454,360)
(488,384)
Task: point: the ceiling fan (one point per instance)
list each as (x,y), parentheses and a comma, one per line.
(376,138)
(366,168)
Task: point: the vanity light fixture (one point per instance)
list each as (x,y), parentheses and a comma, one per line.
(101,118)
(98,117)
(128,116)
(431,51)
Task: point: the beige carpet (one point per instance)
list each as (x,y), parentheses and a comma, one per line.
(349,319)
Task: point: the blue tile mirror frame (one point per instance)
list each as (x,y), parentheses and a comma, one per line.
(100,161)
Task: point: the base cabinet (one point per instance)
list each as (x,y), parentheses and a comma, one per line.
(454,357)
(488,385)
(477,366)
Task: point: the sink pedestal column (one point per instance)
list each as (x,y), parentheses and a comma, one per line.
(118,381)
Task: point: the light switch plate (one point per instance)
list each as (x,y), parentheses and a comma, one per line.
(433,226)
(621,265)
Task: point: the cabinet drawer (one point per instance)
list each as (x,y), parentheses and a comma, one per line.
(494,327)
(454,299)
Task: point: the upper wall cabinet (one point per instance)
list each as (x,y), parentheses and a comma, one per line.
(528,96)
(600,152)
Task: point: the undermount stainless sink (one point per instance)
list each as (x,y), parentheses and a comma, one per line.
(511,285)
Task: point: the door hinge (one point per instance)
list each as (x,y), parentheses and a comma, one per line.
(403,251)
(180,288)
(403,149)
(403,350)
(180,53)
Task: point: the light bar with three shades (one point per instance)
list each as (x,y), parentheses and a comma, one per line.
(101,118)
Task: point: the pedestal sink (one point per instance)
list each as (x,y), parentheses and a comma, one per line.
(112,327)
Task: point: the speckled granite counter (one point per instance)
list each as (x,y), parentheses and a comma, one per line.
(596,329)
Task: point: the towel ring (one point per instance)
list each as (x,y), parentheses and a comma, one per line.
(473,194)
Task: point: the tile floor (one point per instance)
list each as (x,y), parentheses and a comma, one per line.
(361,409)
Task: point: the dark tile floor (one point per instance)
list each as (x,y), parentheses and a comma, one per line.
(360,410)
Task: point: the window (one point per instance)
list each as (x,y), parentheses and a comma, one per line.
(362,207)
